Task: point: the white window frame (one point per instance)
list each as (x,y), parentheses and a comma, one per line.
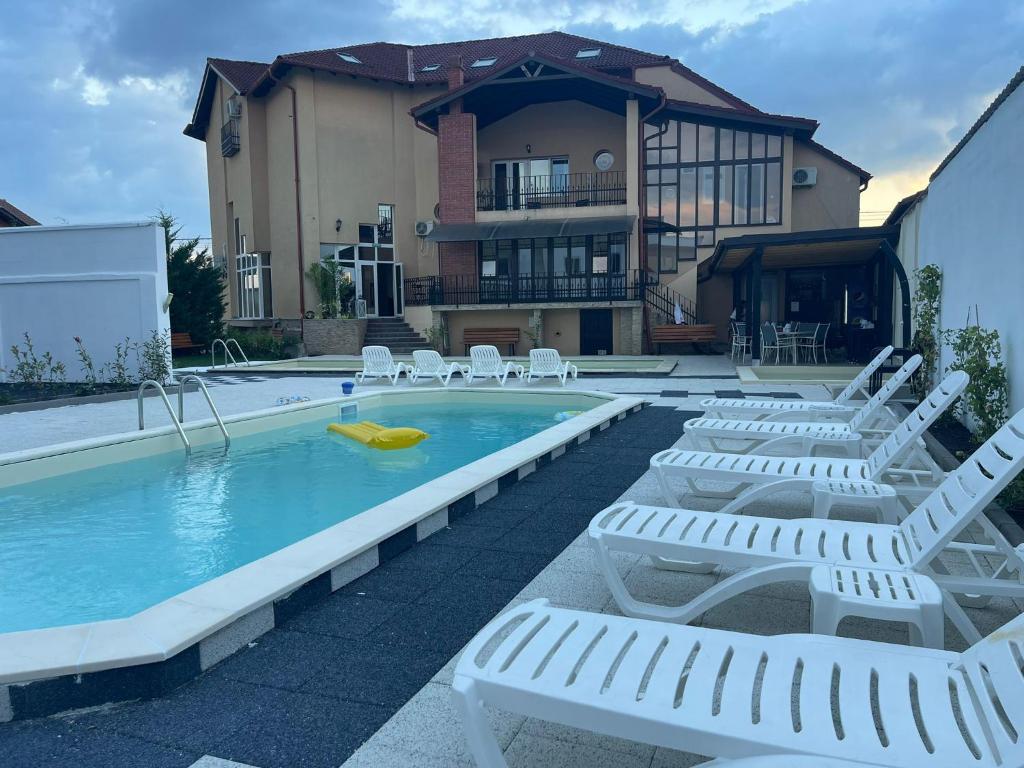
(252,279)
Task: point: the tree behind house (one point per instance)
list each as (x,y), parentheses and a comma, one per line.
(197,285)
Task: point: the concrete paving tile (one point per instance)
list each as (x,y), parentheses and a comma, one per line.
(569,589)
(209,761)
(760,616)
(428,723)
(374,755)
(671,758)
(581,559)
(664,587)
(576,736)
(531,751)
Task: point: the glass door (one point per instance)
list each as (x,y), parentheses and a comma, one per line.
(367,287)
(399,290)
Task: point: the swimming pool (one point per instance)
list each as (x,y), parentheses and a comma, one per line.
(126,569)
(136,532)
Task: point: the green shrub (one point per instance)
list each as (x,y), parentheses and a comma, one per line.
(257,345)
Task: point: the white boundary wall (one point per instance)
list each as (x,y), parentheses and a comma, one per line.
(972,226)
(102,282)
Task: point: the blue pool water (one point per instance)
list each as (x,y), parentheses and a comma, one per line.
(108,542)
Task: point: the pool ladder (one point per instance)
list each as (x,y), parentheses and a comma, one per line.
(227,353)
(178,418)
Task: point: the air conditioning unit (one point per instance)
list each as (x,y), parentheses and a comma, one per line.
(805,177)
(424,228)
(234,107)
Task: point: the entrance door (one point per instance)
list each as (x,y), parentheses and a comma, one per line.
(385,290)
(595,331)
(367,288)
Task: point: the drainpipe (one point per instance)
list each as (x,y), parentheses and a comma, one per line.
(298,206)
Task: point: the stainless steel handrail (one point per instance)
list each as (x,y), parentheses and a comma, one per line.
(209,401)
(227,354)
(150,383)
(245,358)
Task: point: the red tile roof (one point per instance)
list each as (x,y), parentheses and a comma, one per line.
(391,61)
(16,215)
(242,75)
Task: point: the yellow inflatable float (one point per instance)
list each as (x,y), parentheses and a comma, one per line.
(382,438)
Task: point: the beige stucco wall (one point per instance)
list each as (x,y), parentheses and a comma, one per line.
(569,128)
(678,87)
(833,202)
(497,318)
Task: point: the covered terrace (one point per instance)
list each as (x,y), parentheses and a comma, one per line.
(844,277)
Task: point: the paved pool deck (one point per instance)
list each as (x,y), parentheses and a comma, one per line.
(361,678)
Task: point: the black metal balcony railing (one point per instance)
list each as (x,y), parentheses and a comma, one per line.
(454,290)
(574,190)
(230,140)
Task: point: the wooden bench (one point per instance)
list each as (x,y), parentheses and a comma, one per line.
(496,336)
(683,334)
(182,341)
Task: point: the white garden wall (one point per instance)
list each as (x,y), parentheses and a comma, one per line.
(972,226)
(99,282)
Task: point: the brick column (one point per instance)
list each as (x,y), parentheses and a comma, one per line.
(456,158)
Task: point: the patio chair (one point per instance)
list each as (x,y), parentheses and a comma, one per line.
(770,550)
(871,419)
(485,363)
(377,364)
(840,408)
(740,341)
(547,362)
(772,343)
(736,695)
(900,460)
(810,345)
(428,364)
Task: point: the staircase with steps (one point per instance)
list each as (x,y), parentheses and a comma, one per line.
(393,333)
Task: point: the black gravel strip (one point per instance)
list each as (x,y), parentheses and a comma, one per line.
(311,691)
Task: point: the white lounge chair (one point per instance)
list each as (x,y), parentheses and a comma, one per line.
(485,363)
(428,364)
(868,420)
(735,695)
(771,550)
(548,363)
(900,460)
(378,364)
(841,408)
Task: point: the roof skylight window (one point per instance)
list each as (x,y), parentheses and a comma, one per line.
(349,58)
(431,68)
(588,53)
(484,62)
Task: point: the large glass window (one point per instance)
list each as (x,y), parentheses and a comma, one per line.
(699,177)
(555,267)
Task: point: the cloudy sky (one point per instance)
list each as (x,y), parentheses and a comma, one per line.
(96,92)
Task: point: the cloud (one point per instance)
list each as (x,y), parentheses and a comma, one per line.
(104,87)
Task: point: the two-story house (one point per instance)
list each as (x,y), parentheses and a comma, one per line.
(563,186)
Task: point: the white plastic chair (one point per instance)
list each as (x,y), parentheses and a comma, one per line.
(428,364)
(873,417)
(548,363)
(770,550)
(736,695)
(808,410)
(485,363)
(900,460)
(378,364)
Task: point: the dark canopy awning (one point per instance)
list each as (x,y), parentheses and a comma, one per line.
(523,228)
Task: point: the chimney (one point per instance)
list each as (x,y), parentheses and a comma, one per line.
(456,74)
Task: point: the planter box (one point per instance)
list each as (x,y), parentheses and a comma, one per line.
(334,337)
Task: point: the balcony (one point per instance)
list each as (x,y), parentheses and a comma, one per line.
(230,140)
(456,290)
(573,190)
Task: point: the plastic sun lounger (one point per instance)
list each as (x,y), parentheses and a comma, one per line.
(772,550)
(870,419)
(548,363)
(840,408)
(733,695)
(428,364)
(900,460)
(378,364)
(485,363)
